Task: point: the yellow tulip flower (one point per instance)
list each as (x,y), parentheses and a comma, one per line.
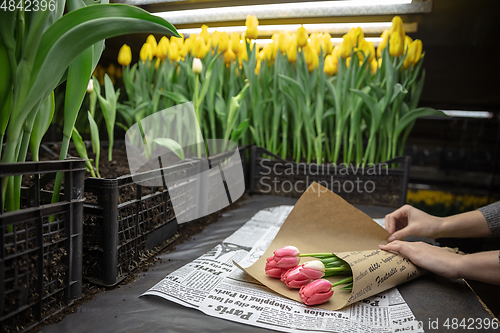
(397,27)
(199,49)
(177,40)
(302,36)
(204,33)
(366,49)
(383,44)
(268,52)
(396,45)
(336,52)
(257,67)
(347,45)
(316,43)
(125,55)
(327,43)
(215,38)
(223,42)
(229,56)
(408,41)
(146,52)
(373,66)
(173,51)
(162,49)
(414,53)
(235,43)
(308,54)
(252,24)
(111,69)
(243,56)
(331,65)
(118,73)
(151,40)
(379,62)
(291,52)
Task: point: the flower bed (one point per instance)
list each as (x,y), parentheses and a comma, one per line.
(40,256)
(377,184)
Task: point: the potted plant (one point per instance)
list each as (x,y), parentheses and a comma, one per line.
(39,50)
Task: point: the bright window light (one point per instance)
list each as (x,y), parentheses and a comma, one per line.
(294,9)
(468,114)
(333,28)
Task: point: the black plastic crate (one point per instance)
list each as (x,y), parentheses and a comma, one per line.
(384,184)
(41,246)
(118,235)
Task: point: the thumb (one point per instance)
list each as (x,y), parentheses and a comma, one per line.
(400,234)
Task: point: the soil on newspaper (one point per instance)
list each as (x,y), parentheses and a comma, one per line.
(112,169)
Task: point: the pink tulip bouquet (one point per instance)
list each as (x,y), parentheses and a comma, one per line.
(284,264)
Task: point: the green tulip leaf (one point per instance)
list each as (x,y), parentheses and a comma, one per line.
(171,144)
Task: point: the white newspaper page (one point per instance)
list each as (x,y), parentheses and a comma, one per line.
(213,285)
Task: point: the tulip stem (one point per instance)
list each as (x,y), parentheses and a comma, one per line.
(338,269)
(318,255)
(347,287)
(343,281)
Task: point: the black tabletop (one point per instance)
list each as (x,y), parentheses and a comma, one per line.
(432,299)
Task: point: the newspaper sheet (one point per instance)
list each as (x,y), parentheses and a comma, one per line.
(213,285)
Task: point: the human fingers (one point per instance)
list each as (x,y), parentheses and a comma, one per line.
(397,219)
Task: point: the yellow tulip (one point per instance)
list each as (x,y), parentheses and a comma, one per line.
(177,40)
(257,67)
(316,43)
(379,62)
(284,41)
(229,56)
(204,33)
(146,52)
(235,43)
(308,54)
(366,49)
(118,72)
(268,52)
(243,56)
(223,42)
(408,41)
(173,52)
(252,24)
(336,52)
(347,45)
(397,27)
(327,43)
(414,53)
(151,40)
(396,45)
(373,66)
(162,49)
(199,49)
(302,36)
(111,69)
(186,48)
(215,38)
(292,51)
(383,44)
(315,62)
(125,55)
(331,65)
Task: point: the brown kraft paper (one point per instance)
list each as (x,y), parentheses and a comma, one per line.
(322,221)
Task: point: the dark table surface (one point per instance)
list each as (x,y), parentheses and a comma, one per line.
(432,299)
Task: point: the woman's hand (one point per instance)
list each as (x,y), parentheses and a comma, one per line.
(409,220)
(482,266)
(429,257)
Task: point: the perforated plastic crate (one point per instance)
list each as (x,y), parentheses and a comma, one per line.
(41,246)
(383,184)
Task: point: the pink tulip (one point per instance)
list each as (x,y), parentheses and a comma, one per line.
(287,257)
(317,292)
(299,276)
(272,269)
(293,278)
